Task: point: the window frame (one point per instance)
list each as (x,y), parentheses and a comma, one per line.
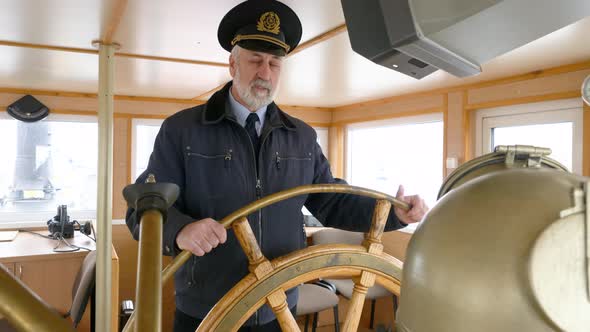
(137,121)
(398,121)
(557,111)
(37,219)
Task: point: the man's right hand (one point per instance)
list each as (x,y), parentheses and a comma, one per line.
(200,237)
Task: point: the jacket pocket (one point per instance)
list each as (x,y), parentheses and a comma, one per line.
(209,175)
(290,158)
(226,157)
(292,169)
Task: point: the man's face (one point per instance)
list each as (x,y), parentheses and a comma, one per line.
(256,77)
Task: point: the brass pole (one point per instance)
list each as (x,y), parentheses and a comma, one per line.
(104,215)
(269,200)
(149,278)
(26,311)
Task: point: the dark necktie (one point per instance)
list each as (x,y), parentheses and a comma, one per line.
(251,129)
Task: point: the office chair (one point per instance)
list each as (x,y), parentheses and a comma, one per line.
(82,291)
(345,286)
(316,297)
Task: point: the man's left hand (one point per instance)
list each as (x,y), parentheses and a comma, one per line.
(416,213)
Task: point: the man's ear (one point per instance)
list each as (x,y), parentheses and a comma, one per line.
(232,65)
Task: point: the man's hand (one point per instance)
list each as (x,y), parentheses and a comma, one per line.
(200,237)
(416,213)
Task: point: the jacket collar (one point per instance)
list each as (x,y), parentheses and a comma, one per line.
(217,109)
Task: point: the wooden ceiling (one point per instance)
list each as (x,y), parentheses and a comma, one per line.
(169,49)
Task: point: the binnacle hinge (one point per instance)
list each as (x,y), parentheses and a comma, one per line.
(531,153)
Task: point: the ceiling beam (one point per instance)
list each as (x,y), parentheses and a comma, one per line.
(119,54)
(314,41)
(49,47)
(161,58)
(110,28)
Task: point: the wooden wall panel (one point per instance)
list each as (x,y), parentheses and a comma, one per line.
(54,102)
(336,150)
(540,86)
(312,116)
(149,108)
(455,137)
(121,166)
(389,110)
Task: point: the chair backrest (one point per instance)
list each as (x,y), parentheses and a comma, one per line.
(333,235)
(83,287)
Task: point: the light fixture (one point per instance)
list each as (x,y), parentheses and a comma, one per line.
(28,109)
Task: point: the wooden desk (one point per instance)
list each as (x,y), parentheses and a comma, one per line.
(50,274)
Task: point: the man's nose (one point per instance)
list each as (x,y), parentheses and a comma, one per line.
(264,71)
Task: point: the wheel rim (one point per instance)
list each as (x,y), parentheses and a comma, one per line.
(314,262)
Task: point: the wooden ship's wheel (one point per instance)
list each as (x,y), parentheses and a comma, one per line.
(268,280)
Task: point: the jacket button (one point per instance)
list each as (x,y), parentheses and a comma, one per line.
(189,283)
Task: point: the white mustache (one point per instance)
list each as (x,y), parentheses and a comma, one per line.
(262,84)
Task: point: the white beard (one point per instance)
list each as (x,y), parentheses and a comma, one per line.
(254,99)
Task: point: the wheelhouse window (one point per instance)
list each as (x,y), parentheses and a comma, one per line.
(144,136)
(45,164)
(409,151)
(322,139)
(556,125)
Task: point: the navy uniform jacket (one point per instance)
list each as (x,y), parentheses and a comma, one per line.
(210,157)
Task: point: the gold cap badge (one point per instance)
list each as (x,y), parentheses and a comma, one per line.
(269,22)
